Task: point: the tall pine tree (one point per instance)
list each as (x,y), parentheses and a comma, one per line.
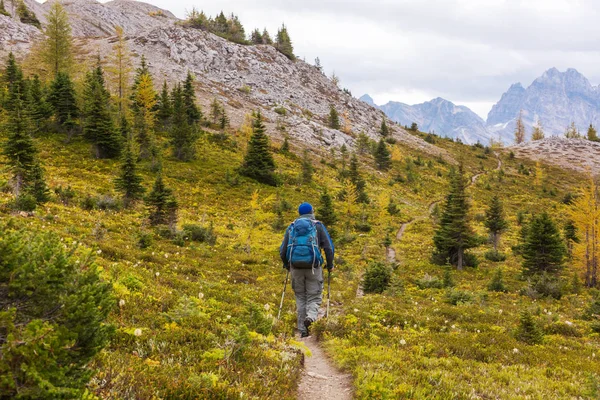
(193,112)
(357,180)
(383,159)
(495,221)
(143,106)
(283,43)
(37,107)
(63,102)
(454,234)
(334,118)
(592,133)
(384,130)
(98,127)
(543,248)
(326,213)
(129,183)
(258,163)
(164,106)
(183,135)
(161,204)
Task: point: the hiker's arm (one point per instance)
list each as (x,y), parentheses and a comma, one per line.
(327,245)
(283,249)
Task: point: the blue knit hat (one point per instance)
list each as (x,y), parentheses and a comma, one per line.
(305,208)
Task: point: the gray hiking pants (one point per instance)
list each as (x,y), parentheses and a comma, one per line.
(308,287)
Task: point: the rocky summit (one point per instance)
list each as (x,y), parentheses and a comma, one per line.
(243,76)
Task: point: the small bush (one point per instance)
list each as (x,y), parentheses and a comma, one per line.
(528,330)
(106,203)
(497,282)
(593,310)
(470,260)
(144,240)
(88,203)
(65,194)
(362,227)
(396,286)
(495,256)
(202,234)
(563,329)
(448,281)
(455,297)
(25,202)
(132,283)
(430,282)
(377,278)
(544,286)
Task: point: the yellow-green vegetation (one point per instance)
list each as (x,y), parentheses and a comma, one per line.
(196,319)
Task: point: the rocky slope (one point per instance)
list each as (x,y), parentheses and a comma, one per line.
(244,77)
(575,154)
(555,99)
(439,116)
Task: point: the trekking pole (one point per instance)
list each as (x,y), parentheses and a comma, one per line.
(328,291)
(283,294)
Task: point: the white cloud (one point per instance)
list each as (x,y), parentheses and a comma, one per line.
(467,51)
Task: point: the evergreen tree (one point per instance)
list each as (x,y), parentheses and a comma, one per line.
(571,237)
(326,213)
(161,204)
(98,127)
(357,180)
(142,72)
(19,149)
(572,132)
(125,129)
(182,133)
(57,47)
(414,127)
(384,130)
(63,102)
(53,309)
(224,120)
(3,9)
(334,118)
(592,134)
(164,106)
(14,83)
(266,37)
(215,110)
(193,112)
(455,235)
(528,331)
(37,184)
(543,249)
(37,107)
(285,147)
(538,132)
(283,43)
(129,183)
(307,168)
(256,37)
(495,221)
(26,16)
(382,156)
(497,282)
(520,129)
(258,163)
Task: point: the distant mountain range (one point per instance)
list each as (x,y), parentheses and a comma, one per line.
(555,99)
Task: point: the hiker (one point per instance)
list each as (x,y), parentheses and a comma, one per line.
(300,252)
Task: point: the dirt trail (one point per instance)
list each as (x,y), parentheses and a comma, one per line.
(320,379)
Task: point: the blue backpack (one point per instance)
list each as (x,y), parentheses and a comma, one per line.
(303,244)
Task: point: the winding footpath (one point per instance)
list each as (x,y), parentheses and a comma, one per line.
(320,379)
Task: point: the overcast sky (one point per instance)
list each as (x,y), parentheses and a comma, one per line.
(466,51)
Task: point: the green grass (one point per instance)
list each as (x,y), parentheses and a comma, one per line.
(206,313)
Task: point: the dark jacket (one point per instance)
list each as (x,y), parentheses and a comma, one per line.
(323,237)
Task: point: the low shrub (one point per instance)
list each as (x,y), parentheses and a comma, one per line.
(377,278)
(497,282)
(455,297)
(495,256)
(25,202)
(429,282)
(202,234)
(528,330)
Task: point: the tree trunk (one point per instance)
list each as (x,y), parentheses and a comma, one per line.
(459,264)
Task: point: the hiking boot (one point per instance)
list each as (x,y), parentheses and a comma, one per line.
(304,334)
(307,323)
